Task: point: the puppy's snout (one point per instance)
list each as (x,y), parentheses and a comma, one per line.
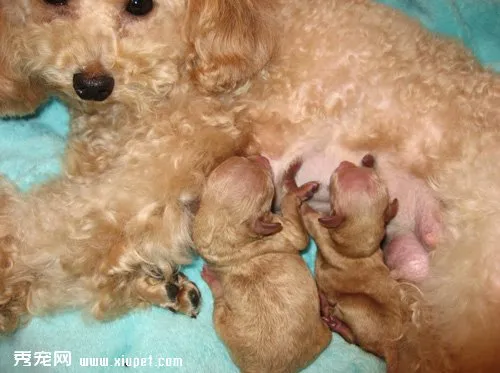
(93,87)
(345,165)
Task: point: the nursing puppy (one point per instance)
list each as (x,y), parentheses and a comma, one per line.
(350,272)
(266,302)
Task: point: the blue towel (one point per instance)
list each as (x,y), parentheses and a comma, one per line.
(157,340)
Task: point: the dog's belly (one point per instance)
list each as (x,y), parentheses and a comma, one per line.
(418,207)
(317,165)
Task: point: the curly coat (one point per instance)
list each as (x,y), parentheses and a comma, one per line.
(197,81)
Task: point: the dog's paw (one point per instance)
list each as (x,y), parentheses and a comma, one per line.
(175,293)
(182,295)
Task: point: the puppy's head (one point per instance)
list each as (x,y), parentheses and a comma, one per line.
(96,53)
(235,205)
(360,209)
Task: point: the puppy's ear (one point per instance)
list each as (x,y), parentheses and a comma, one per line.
(331,221)
(391,210)
(229,41)
(266,229)
(19,93)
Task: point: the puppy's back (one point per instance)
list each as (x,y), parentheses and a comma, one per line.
(269,317)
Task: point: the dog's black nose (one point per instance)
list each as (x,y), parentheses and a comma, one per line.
(93,88)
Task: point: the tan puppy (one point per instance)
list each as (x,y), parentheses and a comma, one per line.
(266,302)
(357,287)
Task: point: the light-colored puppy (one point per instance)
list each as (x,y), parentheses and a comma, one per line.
(266,302)
(350,270)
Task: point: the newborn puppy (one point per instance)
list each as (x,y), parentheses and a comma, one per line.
(266,306)
(351,275)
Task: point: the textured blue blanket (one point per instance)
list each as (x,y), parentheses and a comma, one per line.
(156,340)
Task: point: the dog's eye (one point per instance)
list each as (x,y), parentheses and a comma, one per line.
(139,7)
(57,2)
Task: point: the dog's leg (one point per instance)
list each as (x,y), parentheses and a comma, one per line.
(310,217)
(294,231)
(177,294)
(293,224)
(14,287)
(334,323)
(15,281)
(107,229)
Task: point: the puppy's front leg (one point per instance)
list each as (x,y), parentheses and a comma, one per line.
(291,204)
(310,219)
(293,226)
(330,316)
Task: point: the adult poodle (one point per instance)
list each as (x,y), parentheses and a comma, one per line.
(161,91)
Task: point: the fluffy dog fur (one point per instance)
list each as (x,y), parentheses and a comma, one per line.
(266,302)
(324,80)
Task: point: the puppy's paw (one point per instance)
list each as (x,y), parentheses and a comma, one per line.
(339,327)
(306,191)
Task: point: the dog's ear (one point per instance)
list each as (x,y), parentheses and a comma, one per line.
(331,221)
(19,93)
(264,228)
(229,41)
(391,210)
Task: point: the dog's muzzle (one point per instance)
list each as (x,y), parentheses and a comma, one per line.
(93,87)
